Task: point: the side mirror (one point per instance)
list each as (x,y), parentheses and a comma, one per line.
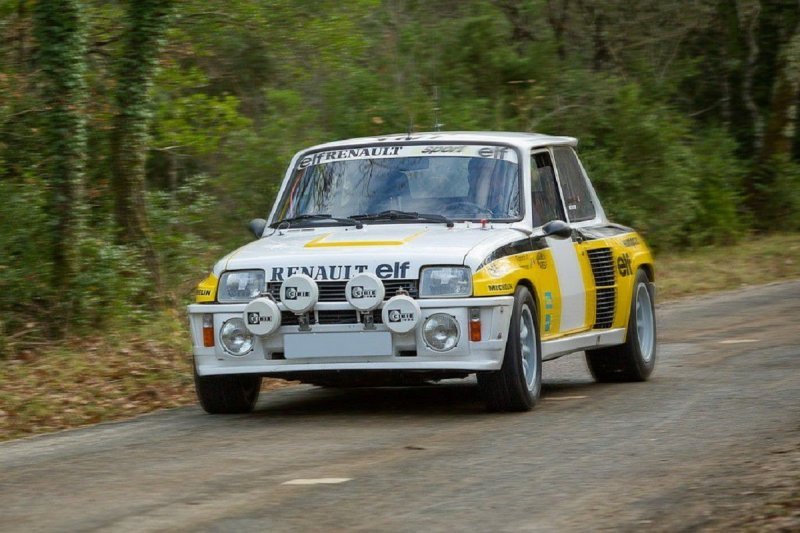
(557,228)
(257,226)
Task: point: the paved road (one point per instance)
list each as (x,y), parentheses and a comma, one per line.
(707,443)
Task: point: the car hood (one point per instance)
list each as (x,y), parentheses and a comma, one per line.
(391,251)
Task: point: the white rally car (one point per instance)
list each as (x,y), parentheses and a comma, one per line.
(411,258)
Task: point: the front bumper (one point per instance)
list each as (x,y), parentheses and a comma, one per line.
(408,351)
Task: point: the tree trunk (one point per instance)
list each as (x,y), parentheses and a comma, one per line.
(557,18)
(779,133)
(780,127)
(58,27)
(747,12)
(147,21)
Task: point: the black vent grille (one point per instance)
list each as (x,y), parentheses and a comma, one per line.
(333,291)
(602,261)
(335,316)
(606,305)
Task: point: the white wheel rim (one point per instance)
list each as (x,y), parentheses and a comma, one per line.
(527,342)
(645,322)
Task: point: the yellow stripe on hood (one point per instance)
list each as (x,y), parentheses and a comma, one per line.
(320,242)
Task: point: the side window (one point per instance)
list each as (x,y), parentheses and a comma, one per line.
(544,190)
(573,185)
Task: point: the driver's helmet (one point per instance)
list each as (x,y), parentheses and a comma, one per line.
(388,192)
(480,173)
(478,168)
(490,186)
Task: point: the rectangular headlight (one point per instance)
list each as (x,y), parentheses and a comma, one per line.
(445,282)
(240,285)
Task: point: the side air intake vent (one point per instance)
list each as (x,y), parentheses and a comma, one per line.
(602,261)
(602,266)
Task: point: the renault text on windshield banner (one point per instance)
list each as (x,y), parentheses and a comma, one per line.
(438,150)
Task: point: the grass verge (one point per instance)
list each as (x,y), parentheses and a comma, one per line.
(754,261)
(121,374)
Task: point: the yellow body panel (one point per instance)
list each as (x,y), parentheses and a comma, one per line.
(536,268)
(501,277)
(630,253)
(206,290)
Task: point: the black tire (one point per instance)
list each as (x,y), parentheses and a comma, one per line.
(629,362)
(219,395)
(508,389)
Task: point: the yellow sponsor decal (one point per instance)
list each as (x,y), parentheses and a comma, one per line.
(500,287)
(206,290)
(501,277)
(542,260)
(322,242)
(629,253)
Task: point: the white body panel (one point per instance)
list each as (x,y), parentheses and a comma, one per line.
(570,282)
(487,354)
(390,251)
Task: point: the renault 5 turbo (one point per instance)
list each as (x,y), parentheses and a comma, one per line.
(419,257)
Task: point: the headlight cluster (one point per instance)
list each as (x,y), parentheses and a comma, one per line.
(240,285)
(235,338)
(445,282)
(441,332)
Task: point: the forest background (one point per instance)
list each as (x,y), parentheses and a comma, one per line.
(138,138)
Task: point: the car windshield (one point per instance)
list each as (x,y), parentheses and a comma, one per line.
(461,182)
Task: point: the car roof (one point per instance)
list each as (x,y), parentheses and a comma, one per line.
(522,140)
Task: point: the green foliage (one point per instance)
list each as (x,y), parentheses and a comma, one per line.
(114,286)
(782,197)
(180,217)
(179,118)
(718,216)
(25,265)
(199,123)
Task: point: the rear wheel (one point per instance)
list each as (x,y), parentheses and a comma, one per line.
(634,360)
(518,383)
(227,394)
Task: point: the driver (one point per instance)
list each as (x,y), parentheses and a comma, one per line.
(485,189)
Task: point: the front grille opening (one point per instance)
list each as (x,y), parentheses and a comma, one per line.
(290,319)
(328,317)
(333,291)
(407,353)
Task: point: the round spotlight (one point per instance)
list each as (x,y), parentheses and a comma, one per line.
(401,314)
(262,316)
(235,338)
(299,293)
(440,332)
(365,292)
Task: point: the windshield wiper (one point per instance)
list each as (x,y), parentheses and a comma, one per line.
(287,222)
(393,214)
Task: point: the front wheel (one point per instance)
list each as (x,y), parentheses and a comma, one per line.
(634,360)
(227,394)
(518,383)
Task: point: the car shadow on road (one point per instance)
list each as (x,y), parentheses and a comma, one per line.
(449,398)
